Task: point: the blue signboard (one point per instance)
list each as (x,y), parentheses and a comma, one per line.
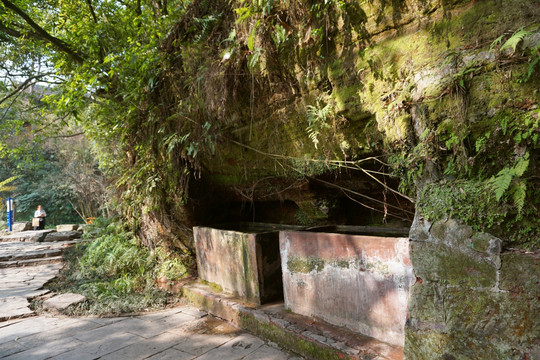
(9,204)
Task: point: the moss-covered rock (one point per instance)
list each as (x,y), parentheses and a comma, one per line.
(470,301)
(448,255)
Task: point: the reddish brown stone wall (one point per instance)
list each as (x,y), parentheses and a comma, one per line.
(228,259)
(246,264)
(359,282)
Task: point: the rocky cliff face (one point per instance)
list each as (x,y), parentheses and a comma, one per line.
(302,110)
(308,101)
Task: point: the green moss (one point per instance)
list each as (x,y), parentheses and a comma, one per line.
(464,200)
(305,265)
(420,345)
(346,97)
(481,242)
(519,275)
(474,324)
(440,262)
(292,343)
(228,179)
(427,303)
(213,286)
(303,219)
(379,268)
(336,70)
(342,263)
(508,318)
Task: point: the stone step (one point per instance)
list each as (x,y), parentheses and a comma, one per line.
(26,236)
(32,255)
(305,336)
(15,254)
(30,262)
(48,235)
(62,236)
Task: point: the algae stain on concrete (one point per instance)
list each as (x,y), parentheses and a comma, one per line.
(305,265)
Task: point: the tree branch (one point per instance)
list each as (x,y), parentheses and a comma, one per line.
(9,31)
(42,34)
(65,136)
(94,17)
(138,8)
(92,12)
(25,85)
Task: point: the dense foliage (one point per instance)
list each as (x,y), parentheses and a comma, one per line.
(170,91)
(53,168)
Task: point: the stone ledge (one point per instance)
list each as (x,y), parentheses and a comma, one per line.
(302,335)
(67,227)
(21,226)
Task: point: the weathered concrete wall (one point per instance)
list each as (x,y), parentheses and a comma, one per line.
(246,264)
(471,300)
(359,282)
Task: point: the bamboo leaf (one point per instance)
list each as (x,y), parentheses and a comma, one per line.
(251,38)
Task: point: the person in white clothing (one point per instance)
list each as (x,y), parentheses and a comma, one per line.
(41,214)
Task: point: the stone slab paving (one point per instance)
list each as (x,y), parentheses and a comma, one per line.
(182,333)
(14,306)
(24,268)
(28,250)
(47,235)
(62,236)
(18,284)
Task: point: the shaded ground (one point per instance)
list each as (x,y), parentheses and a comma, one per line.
(181,333)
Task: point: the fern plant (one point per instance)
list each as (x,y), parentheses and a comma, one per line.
(515,39)
(503,182)
(512,42)
(317,120)
(534,60)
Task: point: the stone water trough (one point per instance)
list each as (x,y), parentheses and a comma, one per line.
(243,259)
(352,277)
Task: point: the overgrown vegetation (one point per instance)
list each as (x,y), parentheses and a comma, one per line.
(172,92)
(116,273)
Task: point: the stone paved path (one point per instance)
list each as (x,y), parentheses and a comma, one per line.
(24,268)
(182,333)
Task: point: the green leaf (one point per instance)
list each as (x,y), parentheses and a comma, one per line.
(504,124)
(496,42)
(254,58)
(532,65)
(3,184)
(251,38)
